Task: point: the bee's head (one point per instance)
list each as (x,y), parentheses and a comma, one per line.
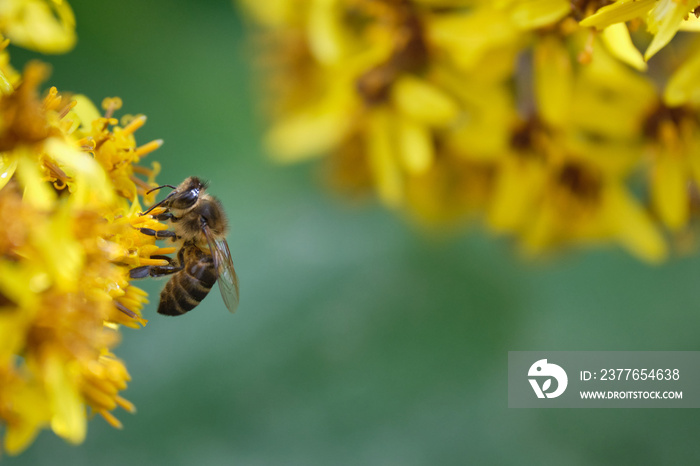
(182,197)
(187,193)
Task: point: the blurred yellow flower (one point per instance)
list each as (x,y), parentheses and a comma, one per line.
(673,137)
(563,180)
(534,114)
(377,86)
(46,26)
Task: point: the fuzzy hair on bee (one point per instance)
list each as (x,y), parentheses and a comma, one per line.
(199,226)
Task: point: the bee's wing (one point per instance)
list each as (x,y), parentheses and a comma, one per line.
(226,275)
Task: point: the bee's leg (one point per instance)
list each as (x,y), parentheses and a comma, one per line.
(167,258)
(157,270)
(154,271)
(164,270)
(159,234)
(165,216)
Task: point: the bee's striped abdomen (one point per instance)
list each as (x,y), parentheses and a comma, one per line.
(189,286)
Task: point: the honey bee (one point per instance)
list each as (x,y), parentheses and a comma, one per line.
(199,226)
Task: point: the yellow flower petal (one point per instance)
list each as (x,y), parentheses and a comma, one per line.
(553,81)
(518,184)
(6,87)
(617,158)
(690,23)
(619,43)
(683,86)
(85,111)
(664,20)
(632,225)
(62,253)
(30,400)
(608,87)
(69,420)
(383,158)
(542,229)
(310,133)
(21,285)
(484,129)
(19,436)
(467,38)
(415,146)
(43,25)
(669,190)
(325,31)
(534,14)
(424,102)
(8,165)
(36,191)
(618,12)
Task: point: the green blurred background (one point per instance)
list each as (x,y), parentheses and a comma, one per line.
(359,339)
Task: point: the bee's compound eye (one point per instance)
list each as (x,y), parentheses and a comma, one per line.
(186,199)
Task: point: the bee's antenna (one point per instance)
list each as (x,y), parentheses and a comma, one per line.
(161,202)
(161,187)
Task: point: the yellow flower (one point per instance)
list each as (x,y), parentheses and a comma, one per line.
(46,26)
(551,203)
(69,199)
(673,138)
(543,15)
(535,113)
(455,190)
(663,18)
(563,180)
(383,76)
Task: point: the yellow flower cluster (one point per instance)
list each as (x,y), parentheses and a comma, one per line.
(69,206)
(540,116)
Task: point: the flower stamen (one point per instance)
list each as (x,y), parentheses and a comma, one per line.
(134,125)
(148,148)
(109,417)
(52,99)
(64,112)
(142,185)
(110,105)
(125,404)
